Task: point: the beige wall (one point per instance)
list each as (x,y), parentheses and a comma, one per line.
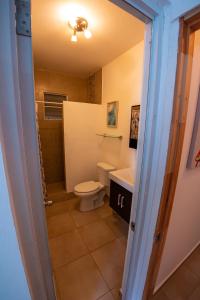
(95,87)
(122,81)
(184,228)
(75,88)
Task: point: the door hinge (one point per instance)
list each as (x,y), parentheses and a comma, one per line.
(132,225)
(23,17)
(157,237)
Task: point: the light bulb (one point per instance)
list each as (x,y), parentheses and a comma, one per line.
(74,38)
(72,22)
(87,34)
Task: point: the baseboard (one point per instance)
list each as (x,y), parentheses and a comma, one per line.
(174,269)
(55,289)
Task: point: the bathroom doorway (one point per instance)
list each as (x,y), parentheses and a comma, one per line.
(88,223)
(30,170)
(20,146)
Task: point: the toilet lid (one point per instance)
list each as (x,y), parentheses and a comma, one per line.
(86,187)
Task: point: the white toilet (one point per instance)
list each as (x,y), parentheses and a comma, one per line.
(91,193)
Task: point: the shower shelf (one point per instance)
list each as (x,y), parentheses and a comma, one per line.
(110,136)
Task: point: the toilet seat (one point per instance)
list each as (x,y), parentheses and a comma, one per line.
(87,187)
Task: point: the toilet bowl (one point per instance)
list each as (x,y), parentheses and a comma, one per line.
(91,193)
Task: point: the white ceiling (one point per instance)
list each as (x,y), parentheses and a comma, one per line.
(114,31)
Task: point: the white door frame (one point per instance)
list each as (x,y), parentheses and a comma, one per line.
(19,142)
(152,154)
(18,136)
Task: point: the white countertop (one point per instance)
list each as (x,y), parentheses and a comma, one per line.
(123,177)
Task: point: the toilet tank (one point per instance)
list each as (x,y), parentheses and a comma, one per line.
(103,170)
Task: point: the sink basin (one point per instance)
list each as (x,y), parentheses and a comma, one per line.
(123,177)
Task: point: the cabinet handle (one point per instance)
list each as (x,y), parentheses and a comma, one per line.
(118,199)
(122,201)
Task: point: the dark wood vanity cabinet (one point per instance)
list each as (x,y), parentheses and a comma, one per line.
(120,200)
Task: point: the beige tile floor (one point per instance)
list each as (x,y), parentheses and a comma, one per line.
(87,250)
(184,284)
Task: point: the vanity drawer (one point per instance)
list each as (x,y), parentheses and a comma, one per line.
(120,200)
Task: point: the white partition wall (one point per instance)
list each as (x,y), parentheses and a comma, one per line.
(81,142)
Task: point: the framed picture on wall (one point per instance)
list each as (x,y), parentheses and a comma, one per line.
(134,126)
(112,114)
(194,153)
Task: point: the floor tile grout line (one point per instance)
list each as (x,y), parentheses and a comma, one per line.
(190,269)
(66,200)
(100,273)
(75,221)
(193,291)
(57,291)
(88,253)
(100,270)
(115,237)
(69,211)
(113,232)
(60,234)
(168,298)
(99,298)
(162,288)
(88,250)
(57,287)
(71,261)
(99,246)
(79,228)
(84,242)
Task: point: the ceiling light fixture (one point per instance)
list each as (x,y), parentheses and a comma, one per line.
(79,25)
(74,38)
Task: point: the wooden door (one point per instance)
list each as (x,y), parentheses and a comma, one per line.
(52,144)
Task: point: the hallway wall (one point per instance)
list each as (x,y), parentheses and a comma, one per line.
(184,229)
